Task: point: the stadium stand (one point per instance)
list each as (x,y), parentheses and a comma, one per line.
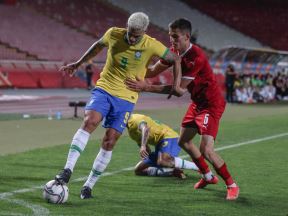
(264,20)
(40,35)
(7,52)
(55,30)
(83,17)
(212,34)
(61,30)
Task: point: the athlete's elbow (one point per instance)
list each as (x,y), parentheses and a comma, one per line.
(179,92)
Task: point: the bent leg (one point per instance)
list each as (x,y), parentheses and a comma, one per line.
(81,137)
(78,144)
(185,142)
(141,168)
(149,167)
(104,156)
(207,148)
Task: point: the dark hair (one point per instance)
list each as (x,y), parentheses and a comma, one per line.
(231,67)
(182,24)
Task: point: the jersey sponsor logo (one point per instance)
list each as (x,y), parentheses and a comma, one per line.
(138,54)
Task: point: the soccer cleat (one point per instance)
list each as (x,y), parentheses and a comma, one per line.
(179,173)
(86,193)
(203,183)
(64,176)
(232,193)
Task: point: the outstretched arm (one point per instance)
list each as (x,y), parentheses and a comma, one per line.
(89,54)
(144,149)
(156,69)
(171,59)
(142,86)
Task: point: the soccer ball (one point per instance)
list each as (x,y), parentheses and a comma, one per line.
(55,193)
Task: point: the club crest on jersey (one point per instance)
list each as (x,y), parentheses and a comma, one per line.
(138,54)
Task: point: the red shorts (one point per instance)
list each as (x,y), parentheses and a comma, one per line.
(205,120)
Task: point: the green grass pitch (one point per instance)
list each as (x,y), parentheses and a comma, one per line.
(260,169)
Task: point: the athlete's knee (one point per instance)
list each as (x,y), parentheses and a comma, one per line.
(108,143)
(182,143)
(185,145)
(160,162)
(110,139)
(90,123)
(206,150)
(164,160)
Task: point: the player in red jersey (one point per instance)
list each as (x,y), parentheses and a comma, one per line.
(206,109)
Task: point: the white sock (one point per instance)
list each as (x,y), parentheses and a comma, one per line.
(154,171)
(208,176)
(232,185)
(78,145)
(100,163)
(164,171)
(184,164)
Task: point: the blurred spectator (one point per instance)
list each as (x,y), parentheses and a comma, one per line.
(229,82)
(281,86)
(256,96)
(89,74)
(244,95)
(238,81)
(268,93)
(255,88)
(269,79)
(256,81)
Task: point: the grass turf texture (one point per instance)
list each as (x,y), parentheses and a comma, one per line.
(260,169)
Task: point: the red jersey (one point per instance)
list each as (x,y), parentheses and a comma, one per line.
(204,89)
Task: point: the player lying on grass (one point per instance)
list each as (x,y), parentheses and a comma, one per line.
(164,161)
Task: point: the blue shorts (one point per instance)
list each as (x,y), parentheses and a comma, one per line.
(115,111)
(169,146)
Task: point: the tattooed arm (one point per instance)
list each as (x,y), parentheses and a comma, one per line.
(89,54)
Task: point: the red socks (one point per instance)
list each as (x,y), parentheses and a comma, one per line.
(201,164)
(224,173)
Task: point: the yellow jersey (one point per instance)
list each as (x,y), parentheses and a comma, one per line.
(157,130)
(126,61)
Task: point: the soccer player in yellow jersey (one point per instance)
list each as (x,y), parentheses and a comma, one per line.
(129,53)
(144,130)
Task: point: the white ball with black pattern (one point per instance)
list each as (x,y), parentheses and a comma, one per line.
(56,193)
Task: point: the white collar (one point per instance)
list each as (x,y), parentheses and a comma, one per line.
(190,46)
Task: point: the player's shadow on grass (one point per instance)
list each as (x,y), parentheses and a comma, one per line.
(190,179)
(221,194)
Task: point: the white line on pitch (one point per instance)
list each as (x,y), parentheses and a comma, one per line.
(7,194)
